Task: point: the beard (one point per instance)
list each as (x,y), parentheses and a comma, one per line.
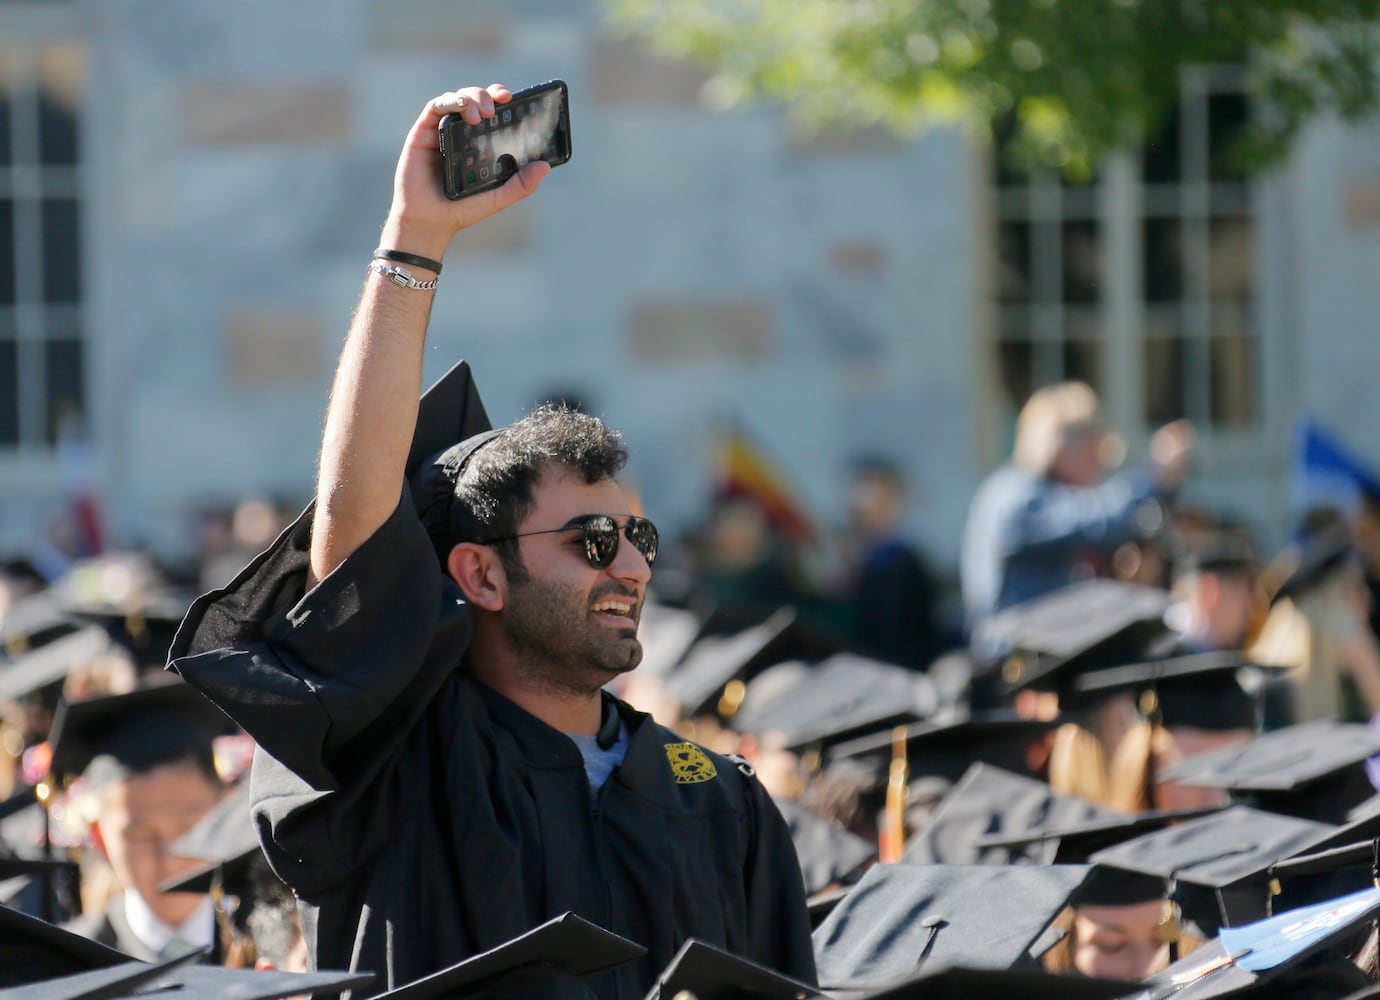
(558,642)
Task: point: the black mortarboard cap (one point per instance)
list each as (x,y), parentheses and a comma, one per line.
(1311,559)
(449,412)
(715,671)
(192,982)
(946,747)
(143,628)
(226,840)
(1325,874)
(959,983)
(1219,863)
(210,981)
(32,621)
(991,802)
(1197,690)
(1314,769)
(23,568)
(121,980)
(1048,938)
(31,878)
(822,904)
(666,633)
(51,662)
(32,950)
(900,916)
(844,696)
(21,867)
(769,686)
(136,731)
(568,946)
(1117,887)
(1302,952)
(451,425)
(1074,843)
(829,854)
(1045,642)
(710,973)
(1221,550)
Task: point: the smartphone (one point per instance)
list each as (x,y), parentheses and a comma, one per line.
(534,125)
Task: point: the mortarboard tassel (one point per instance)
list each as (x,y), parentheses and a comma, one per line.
(1171,927)
(892,842)
(732,699)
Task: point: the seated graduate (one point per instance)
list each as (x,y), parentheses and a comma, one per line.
(1115,927)
(147,757)
(422,662)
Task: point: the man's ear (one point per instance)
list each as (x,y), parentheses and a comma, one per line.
(478,571)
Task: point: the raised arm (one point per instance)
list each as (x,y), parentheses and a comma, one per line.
(373,406)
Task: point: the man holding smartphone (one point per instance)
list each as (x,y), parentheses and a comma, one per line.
(439,769)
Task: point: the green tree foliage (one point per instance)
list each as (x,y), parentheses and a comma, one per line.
(1073,79)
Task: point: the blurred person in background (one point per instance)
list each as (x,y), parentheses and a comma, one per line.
(1366,528)
(148,761)
(230,539)
(891,599)
(1214,594)
(1050,516)
(742,563)
(1114,926)
(1214,581)
(1318,624)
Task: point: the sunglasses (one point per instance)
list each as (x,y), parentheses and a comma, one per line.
(600,533)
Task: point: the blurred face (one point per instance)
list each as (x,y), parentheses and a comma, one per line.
(874,504)
(739,536)
(140,818)
(1222,602)
(574,627)
(1119,942)
(1079,462)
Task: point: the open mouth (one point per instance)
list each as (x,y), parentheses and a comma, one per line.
(615,609)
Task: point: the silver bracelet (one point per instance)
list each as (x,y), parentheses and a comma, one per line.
(400,276)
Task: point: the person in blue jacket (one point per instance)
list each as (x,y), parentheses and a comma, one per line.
(1051,516)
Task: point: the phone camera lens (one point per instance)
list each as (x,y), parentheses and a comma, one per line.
(507,163)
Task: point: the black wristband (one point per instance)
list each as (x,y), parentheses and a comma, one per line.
(415,260)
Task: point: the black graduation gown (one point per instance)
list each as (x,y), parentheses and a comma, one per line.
(422,818)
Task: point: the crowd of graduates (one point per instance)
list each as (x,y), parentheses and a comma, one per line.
(1138,766)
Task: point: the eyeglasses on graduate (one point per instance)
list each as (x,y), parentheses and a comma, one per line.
(600,532)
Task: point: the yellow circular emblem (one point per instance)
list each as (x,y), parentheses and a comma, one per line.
(689,764)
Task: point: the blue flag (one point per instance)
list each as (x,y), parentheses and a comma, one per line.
(1325,473)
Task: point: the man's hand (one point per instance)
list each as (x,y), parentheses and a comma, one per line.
(423,220)
(1170,448)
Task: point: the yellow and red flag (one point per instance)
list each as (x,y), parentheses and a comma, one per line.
(744,470)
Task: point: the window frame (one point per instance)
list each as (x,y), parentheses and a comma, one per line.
(33,467)
(1118,208)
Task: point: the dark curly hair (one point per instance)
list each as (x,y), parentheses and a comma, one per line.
(494,490)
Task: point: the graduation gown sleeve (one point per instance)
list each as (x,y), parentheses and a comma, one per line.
(333,683)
